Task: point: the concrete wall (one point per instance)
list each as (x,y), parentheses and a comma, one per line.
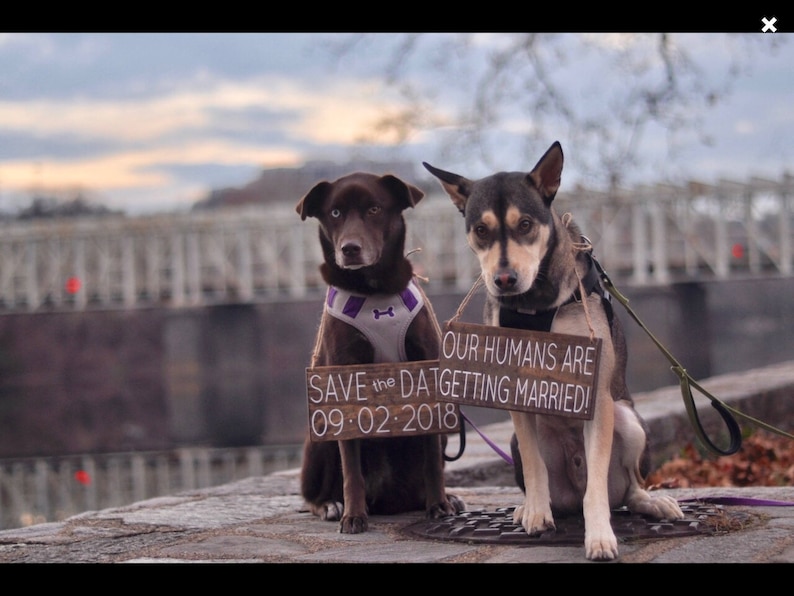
(234,375)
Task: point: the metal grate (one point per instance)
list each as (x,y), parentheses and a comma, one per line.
(497,526)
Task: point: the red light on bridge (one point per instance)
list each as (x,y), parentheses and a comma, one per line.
(82,477)
(737,251)
(73,285)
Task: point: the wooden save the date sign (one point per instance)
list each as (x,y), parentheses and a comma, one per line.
(377,400)
(492,367)
(515,369)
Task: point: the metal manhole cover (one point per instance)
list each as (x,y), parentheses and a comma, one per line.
(498,527)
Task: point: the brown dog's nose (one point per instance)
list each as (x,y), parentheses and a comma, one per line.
(505,279)
(351,249)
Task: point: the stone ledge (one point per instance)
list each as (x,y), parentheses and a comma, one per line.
(766,394)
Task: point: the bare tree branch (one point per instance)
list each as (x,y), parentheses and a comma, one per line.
(481,92)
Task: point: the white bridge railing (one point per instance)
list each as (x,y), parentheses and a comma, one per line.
(44,489)
(648,235)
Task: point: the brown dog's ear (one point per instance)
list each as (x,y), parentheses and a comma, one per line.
(309,205)
(406,194)
(457,187)
(547,173)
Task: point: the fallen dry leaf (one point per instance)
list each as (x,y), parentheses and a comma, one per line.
(765,459)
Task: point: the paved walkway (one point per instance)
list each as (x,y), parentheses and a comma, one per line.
(261,519)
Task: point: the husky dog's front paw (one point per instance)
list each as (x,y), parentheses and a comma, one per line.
(533,520)
(329,511)
(656,506)
(601,546)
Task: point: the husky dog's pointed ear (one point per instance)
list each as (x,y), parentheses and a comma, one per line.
(457,187)
(547,173)
(309,205)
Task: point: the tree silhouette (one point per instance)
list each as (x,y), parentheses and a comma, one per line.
(47,207)
(602,93)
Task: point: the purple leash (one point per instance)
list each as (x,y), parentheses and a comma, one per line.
(493,445)
(739,501)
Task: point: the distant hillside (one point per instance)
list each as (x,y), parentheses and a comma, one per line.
(54,207)
(280,185)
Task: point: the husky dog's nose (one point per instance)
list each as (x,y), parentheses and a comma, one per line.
(505,279)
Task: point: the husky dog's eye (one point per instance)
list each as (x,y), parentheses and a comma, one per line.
(481,230)
(335,213)
(374,210)
(525,225)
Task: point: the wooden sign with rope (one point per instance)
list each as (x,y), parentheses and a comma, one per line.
(515,369)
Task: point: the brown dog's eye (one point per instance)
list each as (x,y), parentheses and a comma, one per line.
(335,213)
(374,210)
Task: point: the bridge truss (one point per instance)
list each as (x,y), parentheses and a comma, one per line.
(648,235)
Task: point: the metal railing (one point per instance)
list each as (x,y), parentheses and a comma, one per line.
(37,490)
(646,235)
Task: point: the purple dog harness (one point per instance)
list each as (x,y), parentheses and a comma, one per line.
(383,318)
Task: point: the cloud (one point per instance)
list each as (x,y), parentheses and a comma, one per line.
(141,168)
(201,124)
(155,118)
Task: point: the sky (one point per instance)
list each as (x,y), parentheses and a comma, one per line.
(150,122)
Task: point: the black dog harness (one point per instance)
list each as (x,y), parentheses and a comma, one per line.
(542,320)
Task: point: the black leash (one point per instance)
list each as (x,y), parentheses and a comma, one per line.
(504,455)
(688,383)
(462,445)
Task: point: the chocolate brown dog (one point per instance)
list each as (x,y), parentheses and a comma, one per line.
(534,265)
(374,312)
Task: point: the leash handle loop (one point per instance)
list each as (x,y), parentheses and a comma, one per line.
(735,412)
(686,382)
(689,401)
(462,445)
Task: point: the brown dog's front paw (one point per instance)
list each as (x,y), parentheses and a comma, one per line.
(353,524)
(452,505)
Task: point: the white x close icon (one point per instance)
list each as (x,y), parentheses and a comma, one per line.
(769,24)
